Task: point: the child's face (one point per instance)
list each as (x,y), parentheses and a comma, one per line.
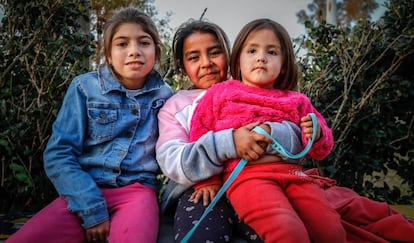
(204,60)
(132,55)
(261,59)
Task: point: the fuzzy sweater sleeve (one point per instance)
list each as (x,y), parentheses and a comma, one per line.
(324,145)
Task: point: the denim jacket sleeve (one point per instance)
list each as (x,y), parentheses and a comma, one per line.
(61,160)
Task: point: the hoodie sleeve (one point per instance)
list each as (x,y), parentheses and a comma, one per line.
(287,134)
(188,162)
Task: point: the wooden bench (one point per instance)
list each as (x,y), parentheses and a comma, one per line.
(9,223)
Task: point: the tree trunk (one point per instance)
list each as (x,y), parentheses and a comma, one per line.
(331,12)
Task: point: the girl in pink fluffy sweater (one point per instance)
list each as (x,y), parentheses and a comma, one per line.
(276,199)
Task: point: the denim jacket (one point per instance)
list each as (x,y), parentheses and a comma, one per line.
(104,136)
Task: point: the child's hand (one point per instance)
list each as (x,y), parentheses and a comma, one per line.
(207,193)
(265,143)
(98,233)
(307,127)
(250,145)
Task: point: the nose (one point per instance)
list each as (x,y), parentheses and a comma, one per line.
(261,57)
(134,50)
(206,61)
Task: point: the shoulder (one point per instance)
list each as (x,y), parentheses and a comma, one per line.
(85,77)
(155,83)
(224,87)
(227,83)
(300,95)
(185,96)
(89,79)
(295,94)
(181,99)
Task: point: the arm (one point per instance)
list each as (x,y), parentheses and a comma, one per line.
(188,162)
(61,161)
(324,141)
(288,135)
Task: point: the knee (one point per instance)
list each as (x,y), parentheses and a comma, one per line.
(287,228)
(332,234)
(291,225)
(329,232)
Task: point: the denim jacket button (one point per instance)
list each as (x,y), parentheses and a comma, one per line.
(129,134)
(121,153)
(116,171)
(102,115)
(134,112)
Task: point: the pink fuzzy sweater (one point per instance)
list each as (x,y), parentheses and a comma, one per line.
(232,104)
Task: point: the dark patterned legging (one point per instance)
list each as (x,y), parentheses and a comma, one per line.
(216,227)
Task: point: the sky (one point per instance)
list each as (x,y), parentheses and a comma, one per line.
(232,15)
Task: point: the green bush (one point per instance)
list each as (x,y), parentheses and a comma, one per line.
(43,47)
(361,78)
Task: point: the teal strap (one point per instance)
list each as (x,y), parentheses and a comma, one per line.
(279,148)
(220,193)
(285,153)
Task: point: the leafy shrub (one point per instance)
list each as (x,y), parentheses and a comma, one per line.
(360,77)
(43,47)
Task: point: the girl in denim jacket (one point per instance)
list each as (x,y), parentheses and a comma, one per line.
(101,154)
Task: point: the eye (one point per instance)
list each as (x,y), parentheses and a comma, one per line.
(145,43)
(251,50)
(272,52)
(193,57)
(122,44)
(215,52)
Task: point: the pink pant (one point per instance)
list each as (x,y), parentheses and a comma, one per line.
(134,218)
(282,205)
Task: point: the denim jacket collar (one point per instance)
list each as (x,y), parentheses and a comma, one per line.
(108,83)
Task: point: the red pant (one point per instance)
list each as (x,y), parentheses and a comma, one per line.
(283,205)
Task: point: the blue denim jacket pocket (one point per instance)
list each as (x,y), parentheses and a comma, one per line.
(102,123)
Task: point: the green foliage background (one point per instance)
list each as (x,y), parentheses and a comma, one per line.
(43,47)
(359,77)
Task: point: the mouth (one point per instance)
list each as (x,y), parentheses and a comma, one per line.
(134,63)
(259,68)
(210,74)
